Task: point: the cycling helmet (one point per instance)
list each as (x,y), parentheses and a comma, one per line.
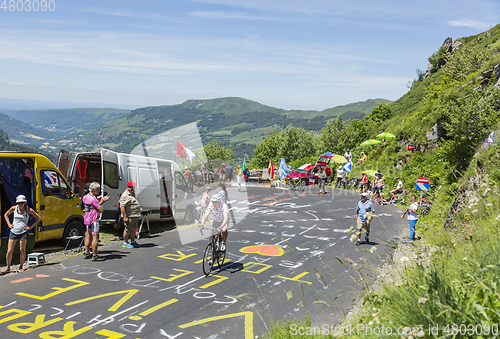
(217,197)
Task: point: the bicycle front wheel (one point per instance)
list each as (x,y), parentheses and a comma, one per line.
(207,259)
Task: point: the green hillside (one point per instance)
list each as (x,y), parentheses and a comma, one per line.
(25,134)
(450,274)
(233,121)
(66,120)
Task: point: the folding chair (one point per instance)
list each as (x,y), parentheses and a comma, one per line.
(145,216)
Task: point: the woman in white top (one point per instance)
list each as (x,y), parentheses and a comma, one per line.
(19,230)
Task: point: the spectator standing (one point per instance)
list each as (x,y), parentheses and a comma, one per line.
(239,178)
(131,211)
(19,230)
(364,182)
(188,176)
(364,211)
(92,207)
(412,212)
(340,173)
(205,199)
(374,186)
(380,187)
(222,174)
(398,190)
(321,181)
(204,173)
(229,174)
(348,156)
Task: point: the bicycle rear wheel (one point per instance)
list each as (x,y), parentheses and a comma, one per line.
(221,255)
(207,259)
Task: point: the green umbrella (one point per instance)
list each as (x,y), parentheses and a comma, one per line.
(370,142)
(370,173)
(386,135)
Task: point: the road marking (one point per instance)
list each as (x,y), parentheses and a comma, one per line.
(20,280)
(310,228)
(248,322)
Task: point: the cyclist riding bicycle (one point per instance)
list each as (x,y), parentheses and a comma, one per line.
(220,213)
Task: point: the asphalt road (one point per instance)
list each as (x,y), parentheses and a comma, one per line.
(288,253)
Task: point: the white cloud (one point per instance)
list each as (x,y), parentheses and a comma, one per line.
(16,83)
(215,15)
(470,23)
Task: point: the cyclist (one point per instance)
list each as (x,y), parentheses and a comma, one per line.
(398,190)
(220,213)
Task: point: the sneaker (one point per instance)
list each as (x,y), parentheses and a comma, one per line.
(358,242)
(98,258)
(367,240)
(223,247)
(135,244)
(127,245)
(87,255)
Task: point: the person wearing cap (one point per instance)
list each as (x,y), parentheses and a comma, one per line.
(131,211)
(222,174)
(189,178)
(205,200)
(379,186)
(398,190)
(364,211)
(19,230)
(92,207)
(322,180)
(220,214)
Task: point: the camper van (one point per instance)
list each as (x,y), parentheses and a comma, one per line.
(47,192)
(161,187)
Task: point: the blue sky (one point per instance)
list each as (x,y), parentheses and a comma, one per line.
(291,54)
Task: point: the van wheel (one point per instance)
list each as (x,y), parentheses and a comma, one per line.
(189,216)
(74,228)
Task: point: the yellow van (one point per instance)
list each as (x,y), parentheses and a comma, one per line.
(47,192)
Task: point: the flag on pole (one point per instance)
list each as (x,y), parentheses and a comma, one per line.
(270,170)
(184,152)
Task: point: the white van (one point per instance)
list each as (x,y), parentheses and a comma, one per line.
(161,188)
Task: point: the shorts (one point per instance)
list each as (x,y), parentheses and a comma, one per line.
(363,225)
(222,177)
(131,224)
(93,227)
(378,189)
(22,236)
(229,176)
(398,191)
(362,186)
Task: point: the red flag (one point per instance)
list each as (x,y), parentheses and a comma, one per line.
(184,152)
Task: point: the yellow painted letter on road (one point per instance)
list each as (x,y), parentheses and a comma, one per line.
(218,280)
(67,332)
(116,306)
(248,322)
(59,290)
(111,334)
(296,278)
(249,266)
(30,327)
(176,257)
(16,314)
(174,276)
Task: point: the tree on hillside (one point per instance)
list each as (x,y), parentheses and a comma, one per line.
(379,113)
(297,143)
(267,149)
(330,135)
(215,151)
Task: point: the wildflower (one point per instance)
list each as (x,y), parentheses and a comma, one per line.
(422,300)
(355,265)
(465,258)
(370,323)
(421,334)
(373,249)
(353,237)
(404,259)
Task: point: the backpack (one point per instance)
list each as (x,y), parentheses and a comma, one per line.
(85,192)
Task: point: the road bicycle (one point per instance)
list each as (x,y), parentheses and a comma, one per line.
(295,184)
(212,253)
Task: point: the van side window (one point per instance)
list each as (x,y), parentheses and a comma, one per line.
(180,183)
(111,174)
(53,184)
